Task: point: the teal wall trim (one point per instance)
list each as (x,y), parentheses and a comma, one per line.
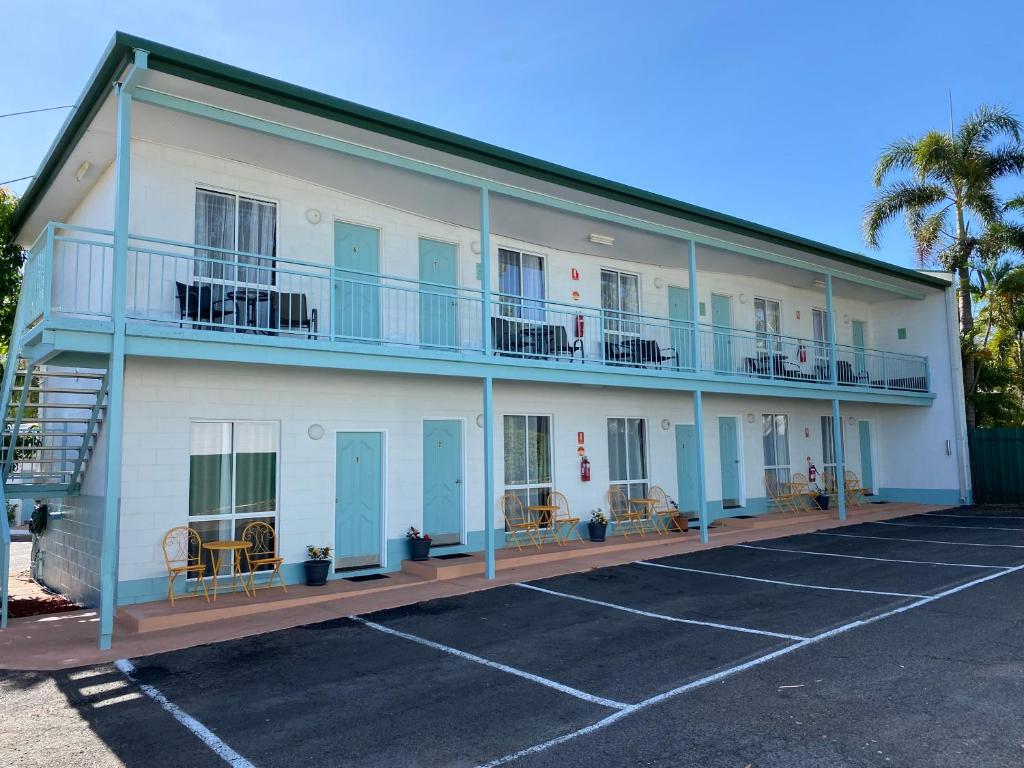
(149,590)
(949,496)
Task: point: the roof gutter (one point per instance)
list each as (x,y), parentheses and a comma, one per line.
(173,61)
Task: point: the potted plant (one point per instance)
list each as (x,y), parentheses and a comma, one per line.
(419,544)
(820,497)
(598,525)
(679,521)
(317,566)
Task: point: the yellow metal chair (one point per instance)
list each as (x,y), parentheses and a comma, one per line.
(802,492)
(662,513)
(183,548)
(518,520)
(622,513)
(780,494)
(855,490)
(263,552)
(563,519)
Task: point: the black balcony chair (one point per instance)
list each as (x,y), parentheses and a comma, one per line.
(549,341)
(777,365)
(204,304)
(507,336)
(648,352)
(618,352)
(292,313)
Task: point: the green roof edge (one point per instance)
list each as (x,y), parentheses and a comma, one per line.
(173,61)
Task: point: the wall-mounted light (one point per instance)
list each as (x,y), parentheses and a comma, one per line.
(82,170)
(750,418)
(846,319)
(475,247)
(665,423)
(602,239)
(480,420)
(819,282)
(313,216)
(659,283)
(315,431)
(743,298)
(852,421)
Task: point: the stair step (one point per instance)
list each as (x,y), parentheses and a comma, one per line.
(63,374)
(69,406)
(65,390)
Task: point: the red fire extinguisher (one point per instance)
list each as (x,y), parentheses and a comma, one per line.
(585,470)
(579,326)
(812,473)
(802,352)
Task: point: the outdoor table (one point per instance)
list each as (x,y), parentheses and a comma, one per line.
(217,550)
(545,514)
(251,298)
(648,506)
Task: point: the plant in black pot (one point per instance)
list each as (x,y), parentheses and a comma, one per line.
(598,525)
(821,497)
(419,544)
(318,565)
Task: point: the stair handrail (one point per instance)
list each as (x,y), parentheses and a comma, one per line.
(84,449)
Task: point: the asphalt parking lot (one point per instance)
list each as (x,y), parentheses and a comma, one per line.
(898,643)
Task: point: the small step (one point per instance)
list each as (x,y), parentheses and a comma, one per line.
(67,406)
(65,390)
(62,374)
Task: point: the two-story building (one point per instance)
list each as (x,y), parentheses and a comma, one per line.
(245,300)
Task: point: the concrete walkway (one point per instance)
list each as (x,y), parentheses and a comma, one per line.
(69,639)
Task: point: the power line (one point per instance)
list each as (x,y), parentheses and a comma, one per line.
(33,111)
(11,181)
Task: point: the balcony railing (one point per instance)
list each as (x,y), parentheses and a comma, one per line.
(69,273)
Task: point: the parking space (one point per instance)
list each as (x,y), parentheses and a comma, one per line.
(531,672)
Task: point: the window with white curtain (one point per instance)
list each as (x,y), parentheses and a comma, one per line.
(521,284)
(528,458)
(775,439)
(232,478)
(627,456)
(246,230)
(828,449)
(620,302)
(767,321)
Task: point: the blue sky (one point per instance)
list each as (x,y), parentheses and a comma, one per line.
(774,112)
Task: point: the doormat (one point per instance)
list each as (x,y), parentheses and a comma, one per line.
(368,577)
(879,502)
(453,556)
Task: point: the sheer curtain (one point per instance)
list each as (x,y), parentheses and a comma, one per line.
(533,287)
(257,234)
(215,227)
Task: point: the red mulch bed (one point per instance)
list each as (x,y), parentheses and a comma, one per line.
(20,607)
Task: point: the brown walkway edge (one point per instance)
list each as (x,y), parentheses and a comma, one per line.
(69,640)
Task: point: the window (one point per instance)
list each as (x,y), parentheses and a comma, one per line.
(521,284)
(242,225)
(232,478)
(528,458)
(627,456)
(819,323)
(828,450)
(620,302)
(775,438)
(767,322)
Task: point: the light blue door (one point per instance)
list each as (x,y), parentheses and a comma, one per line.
(867,473)
(678,316)
(686,466)
(437,300)
(358,506)
(357,283)
(721,318)
(859,366)
(442,480)
(728,453)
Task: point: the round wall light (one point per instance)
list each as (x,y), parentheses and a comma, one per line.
(480,420)
(313,216)
(665,423)
(475,247)
(750,418)
(659,283)
(315,431)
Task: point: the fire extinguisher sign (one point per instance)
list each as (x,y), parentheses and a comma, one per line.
(579,438)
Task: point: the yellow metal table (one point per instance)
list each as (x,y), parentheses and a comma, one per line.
(545,517)
(646,509)
(217,550)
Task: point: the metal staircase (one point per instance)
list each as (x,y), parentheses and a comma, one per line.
(51,423)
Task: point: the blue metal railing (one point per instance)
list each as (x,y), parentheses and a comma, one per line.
(224,290)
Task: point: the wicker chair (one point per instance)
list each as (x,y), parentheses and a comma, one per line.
(564,524)
(622,513)
(518,520)
(183,549)
(780,494)
(263,552)
(661,514)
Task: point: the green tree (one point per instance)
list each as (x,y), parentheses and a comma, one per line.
(11,259)
(944,186)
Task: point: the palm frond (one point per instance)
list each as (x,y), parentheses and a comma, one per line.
(986,123)
(927,232)
(1005,160)
(1015,203)
(935,157)
(898,198)
(898,156)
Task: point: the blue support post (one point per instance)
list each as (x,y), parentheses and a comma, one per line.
(837,441)
(489,475)
(702,497)
(832,368)
(5,558)
(115,373)
(694,304)
(485,267)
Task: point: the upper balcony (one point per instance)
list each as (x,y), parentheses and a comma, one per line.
(181,290)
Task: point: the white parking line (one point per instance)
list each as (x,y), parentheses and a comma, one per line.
(494,665)
(204,734)
(982,517)
(957,527)
(663,617)
(731,671)
(918,541)
(774,581)
(865,557)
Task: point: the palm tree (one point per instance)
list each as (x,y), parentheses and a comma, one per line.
(946,191)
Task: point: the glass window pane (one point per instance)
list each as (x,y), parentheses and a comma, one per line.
(509,282)
(768,439)
(774,316)
(629,298)
(209,485)
(782,440)
(515,450)
(257,234)
(215,227)
(636,448)
(240,526)
(255,467)
(539,445)
(828,457)
(760,320)
(617,450)
(213,530)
